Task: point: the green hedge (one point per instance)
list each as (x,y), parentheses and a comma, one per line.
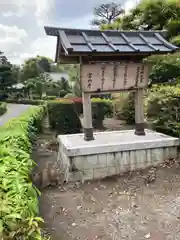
(101,108)
(25,101)
(18,197)
(3,108)
(63,117)
(49,97)
(128,109)
(163,109)
(125,107)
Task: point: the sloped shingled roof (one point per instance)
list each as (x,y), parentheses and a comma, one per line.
(80,42)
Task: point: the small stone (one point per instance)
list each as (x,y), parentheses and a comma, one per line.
(73,224)
(79,207)
(147,235)
(135,206)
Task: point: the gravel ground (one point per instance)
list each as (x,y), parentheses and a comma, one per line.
(116,208)
(122,207)
(14,110)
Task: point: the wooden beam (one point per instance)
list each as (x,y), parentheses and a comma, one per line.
(88,42)
(65,42)
(109,42)
(139,112)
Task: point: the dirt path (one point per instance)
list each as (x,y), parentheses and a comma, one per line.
(116,208)
(13,110)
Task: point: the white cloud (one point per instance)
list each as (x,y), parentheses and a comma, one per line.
(15,42)
(11,37)
(39,8)
(26,37)
(44,46)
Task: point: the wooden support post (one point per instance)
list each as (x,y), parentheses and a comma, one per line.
(87,117)
(139,113)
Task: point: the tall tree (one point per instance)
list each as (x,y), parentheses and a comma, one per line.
(151,15)
(6,76)
(33,67)
(107,13)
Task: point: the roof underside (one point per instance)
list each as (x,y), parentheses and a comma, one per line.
(75,42)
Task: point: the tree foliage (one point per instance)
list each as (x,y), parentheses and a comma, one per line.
(166,68)
(74,80)
(150,15)
(33,67)
(7,79)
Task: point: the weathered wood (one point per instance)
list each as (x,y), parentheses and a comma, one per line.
(139,112)
(87,117)
(107,77)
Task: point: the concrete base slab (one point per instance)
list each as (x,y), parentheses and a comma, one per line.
(112,153)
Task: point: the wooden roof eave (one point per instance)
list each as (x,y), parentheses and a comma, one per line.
(75,57)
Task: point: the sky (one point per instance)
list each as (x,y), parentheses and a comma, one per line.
(22,24)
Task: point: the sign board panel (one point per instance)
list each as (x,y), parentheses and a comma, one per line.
(107,77)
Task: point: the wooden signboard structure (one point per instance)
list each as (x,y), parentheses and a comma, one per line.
(110,61)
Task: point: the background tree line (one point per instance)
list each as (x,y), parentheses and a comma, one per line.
(34,74)
(33,79)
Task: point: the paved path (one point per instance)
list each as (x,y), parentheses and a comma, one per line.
(14,110)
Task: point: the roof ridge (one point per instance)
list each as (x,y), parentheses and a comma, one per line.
(108,30)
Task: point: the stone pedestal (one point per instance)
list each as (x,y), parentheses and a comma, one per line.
(112,153)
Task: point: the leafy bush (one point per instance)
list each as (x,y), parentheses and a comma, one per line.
(166,68)
(176,40)
(63,117)
(125,108)
(163,109)
(19,198)
(101,108)
(49,97)
(25,101)
(62,93)
(3,108)
(173,28)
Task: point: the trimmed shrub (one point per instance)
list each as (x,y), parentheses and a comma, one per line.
(3,96)
(3,108)
(62,93)
(125,108)
(19,198)
(49,97)
(163,109)
(25,101)
(101,108)
(63,117)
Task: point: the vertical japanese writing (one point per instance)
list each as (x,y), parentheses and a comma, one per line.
(125,74)
(114,74)
(89,80)
(102,76)
(137,76)
(142,74)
